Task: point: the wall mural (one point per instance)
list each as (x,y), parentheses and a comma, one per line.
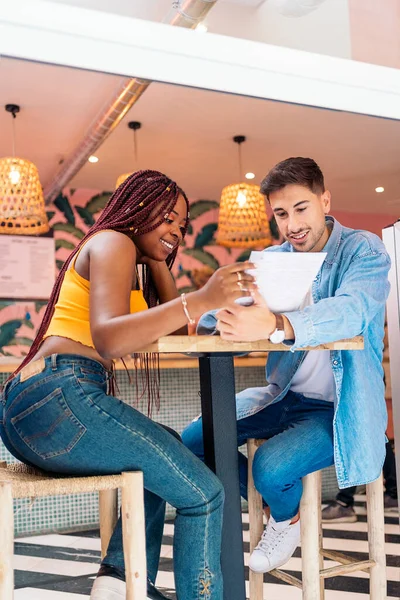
(70,217)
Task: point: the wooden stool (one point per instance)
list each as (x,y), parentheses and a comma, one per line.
(312,551)
(20,481)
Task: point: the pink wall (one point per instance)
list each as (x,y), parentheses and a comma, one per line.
(370,222)
(375,31)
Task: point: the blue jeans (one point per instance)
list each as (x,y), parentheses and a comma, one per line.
(299,434)
(61,420)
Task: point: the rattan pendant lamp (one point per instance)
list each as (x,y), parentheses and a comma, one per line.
(243,221)
(22,207)
(135,126)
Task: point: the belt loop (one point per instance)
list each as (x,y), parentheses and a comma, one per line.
(54,362)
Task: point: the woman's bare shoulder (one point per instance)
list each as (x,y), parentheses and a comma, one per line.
(111,242)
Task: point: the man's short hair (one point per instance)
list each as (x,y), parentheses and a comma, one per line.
(297,171)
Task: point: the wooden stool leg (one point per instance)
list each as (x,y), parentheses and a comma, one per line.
(6,542)
(108,511)
(256,525)
(134,536)
(376,539)
(310,509)
(321,538)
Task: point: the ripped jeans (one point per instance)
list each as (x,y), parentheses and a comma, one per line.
(61,420)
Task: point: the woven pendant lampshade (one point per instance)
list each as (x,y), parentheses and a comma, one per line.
(22,207)
(242,221)
(135,126)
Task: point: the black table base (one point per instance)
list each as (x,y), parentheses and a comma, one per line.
(217,388)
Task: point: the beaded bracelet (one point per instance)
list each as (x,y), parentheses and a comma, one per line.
(185,310)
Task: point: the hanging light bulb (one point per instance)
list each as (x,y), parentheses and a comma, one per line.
(134,125)
(14,175)
(241,198)
(242,220)
(22,208)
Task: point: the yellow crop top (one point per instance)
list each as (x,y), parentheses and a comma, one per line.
(71,313)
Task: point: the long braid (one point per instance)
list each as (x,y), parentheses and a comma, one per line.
(127,211)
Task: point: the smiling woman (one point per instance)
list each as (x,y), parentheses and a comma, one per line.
(68,423)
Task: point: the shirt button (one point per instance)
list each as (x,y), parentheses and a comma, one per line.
(335,362)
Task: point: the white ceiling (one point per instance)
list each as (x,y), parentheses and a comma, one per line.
(187,133)
(326,30)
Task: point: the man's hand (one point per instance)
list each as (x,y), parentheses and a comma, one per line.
(246,323)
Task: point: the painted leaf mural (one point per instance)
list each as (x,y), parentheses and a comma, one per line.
(8,331)
(244,256)
(206,236)
(68,228)
(199,207)
(97,203)
(202,256)
(85,215)
(64,244)
(63,205)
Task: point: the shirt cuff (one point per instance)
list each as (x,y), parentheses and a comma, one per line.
(304,334)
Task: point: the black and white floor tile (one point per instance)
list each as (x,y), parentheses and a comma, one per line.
(63,567)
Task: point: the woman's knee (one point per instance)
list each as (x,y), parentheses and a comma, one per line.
(214,495)
(207,495)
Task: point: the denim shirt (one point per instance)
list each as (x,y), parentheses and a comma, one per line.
(349,295)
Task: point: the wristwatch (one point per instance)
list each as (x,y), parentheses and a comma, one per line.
(278,335)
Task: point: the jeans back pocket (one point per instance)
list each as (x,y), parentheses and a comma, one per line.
(49,427)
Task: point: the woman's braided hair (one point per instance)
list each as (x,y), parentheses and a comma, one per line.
(127,211)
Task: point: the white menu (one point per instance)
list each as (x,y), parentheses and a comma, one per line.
(27,267)
(284,278)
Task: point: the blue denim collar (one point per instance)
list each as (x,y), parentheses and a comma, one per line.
(332,245)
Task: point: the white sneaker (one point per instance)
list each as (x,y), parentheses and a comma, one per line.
(277,544)
(108,588)
(112,588)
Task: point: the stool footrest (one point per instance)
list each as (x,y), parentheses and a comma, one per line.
(278,574)
(363,565)
(343,559)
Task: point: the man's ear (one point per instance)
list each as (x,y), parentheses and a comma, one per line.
(326,201)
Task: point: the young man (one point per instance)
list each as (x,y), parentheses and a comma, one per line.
(319,408)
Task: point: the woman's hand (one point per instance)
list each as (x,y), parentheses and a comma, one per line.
(227,284)
(152,263)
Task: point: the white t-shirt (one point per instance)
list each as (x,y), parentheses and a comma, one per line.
(314,378)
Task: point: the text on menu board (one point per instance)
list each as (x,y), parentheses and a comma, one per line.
(27,267)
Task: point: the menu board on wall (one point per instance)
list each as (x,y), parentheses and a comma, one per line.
(27,267)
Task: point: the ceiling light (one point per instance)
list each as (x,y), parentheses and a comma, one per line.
(134,126)
(22,209)
(380,189)
(93,159)
(201,28)
(242,219)
(249,175)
